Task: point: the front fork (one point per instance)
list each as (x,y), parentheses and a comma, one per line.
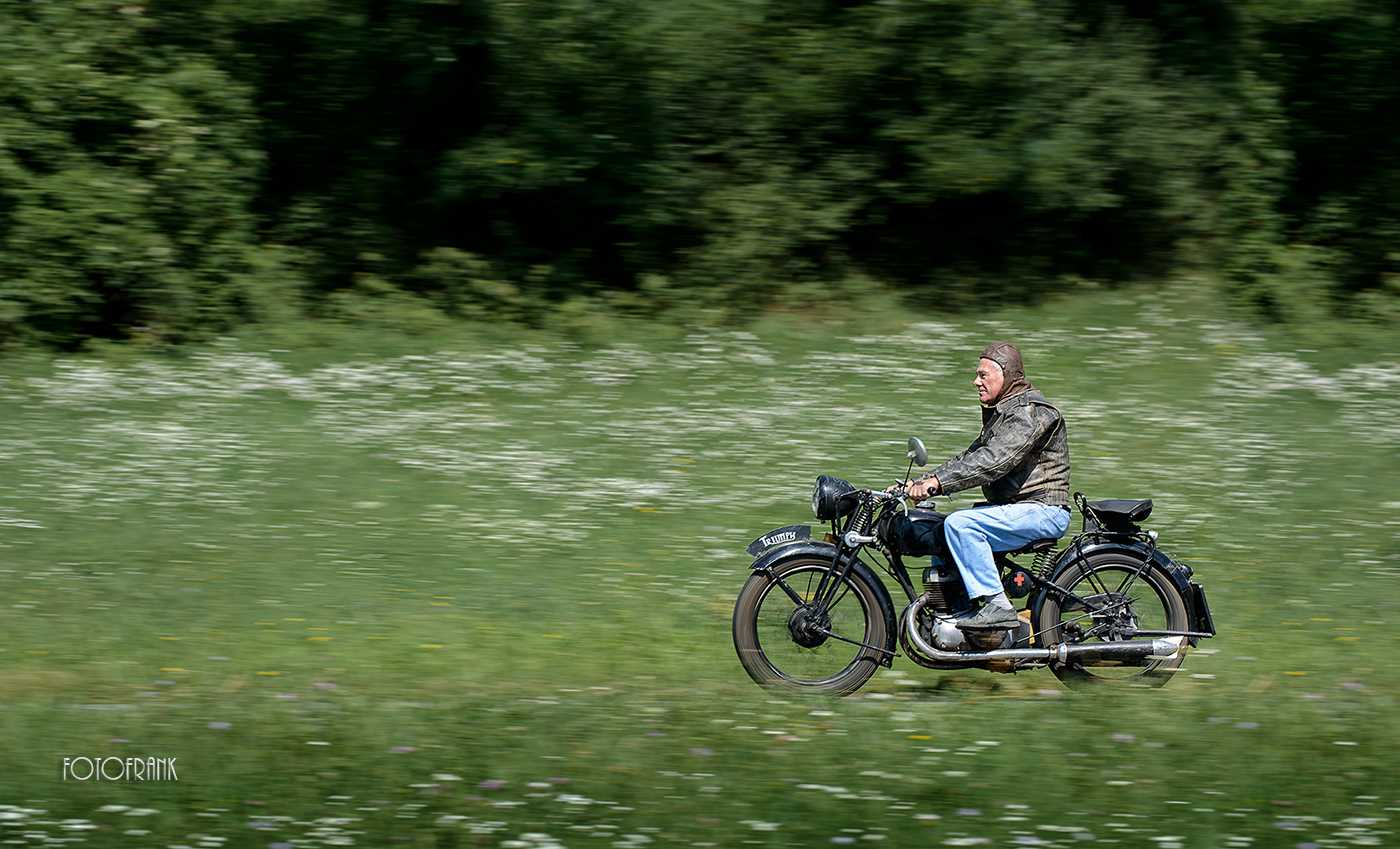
(848,547)
(841,563)
(843,560)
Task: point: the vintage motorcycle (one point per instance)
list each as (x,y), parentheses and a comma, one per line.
(1109,608)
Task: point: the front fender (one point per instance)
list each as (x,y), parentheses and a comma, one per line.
(825,550)
(779,536)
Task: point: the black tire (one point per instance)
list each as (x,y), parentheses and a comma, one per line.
(779,653)
(1102,579)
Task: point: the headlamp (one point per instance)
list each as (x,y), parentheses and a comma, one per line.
(832,498)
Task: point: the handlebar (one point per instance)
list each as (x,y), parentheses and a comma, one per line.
(900,495)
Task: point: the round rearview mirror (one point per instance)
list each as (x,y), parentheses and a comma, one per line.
(917,452)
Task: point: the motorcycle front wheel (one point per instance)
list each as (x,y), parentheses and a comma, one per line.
(789,645)
(1119,600)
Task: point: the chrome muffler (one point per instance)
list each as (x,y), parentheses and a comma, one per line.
(1127,651)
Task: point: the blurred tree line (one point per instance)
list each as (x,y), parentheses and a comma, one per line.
(177,167)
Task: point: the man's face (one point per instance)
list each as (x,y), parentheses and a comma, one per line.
(989,381)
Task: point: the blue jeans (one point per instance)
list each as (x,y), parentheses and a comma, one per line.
(973,534)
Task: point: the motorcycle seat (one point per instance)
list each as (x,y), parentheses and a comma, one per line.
(1113,516)
(1113,511)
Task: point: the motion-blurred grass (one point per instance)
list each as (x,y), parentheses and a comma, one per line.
(468,594)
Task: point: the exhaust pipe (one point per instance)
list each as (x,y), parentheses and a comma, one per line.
(1132,651)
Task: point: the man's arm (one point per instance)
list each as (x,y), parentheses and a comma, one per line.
(1011,441)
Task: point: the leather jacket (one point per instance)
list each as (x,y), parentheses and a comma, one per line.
(1021,455)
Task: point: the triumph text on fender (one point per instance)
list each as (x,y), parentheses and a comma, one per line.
(119,769)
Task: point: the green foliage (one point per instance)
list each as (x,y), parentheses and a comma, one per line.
(126,175)
(1335,64)
(444,160)
(468,286)
(1063,147)
(358,101)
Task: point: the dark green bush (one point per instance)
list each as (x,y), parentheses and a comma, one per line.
(170,170)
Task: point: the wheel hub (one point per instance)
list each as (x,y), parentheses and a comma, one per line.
(1116,621)
(808,627)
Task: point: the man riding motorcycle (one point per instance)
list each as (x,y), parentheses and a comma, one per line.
(1021,461)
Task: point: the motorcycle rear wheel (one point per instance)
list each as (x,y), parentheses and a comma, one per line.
(778,641)
(1120,602)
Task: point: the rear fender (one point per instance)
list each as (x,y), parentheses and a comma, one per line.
(1192,595)
(826,551)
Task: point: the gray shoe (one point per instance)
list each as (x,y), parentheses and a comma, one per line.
(990,618)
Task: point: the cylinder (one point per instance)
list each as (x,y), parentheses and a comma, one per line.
(945,588)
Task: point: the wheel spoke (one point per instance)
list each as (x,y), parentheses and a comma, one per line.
(843,589)
(786,639)
(1095,580)
(1096,606)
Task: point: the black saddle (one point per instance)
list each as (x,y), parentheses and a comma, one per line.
(1120,516)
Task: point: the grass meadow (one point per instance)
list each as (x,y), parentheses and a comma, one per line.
(475,590)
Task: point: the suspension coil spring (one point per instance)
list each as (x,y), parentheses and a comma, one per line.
(861,523)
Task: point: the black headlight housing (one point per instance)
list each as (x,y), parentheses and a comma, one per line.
(833,498)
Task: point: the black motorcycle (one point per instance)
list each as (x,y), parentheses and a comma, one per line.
(1111,607)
